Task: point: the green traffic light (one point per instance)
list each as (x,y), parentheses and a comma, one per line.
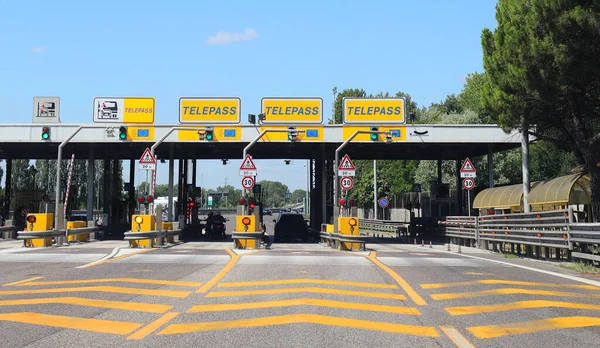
(122,136)
(209,136)
(373,136)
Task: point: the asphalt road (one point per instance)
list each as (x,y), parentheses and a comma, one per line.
(296,295)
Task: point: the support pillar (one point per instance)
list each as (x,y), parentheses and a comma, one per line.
(525,168)
(132,199)
(171,174)
(8,189)
(317,211)
(180,202)
(105,187)
(114,192)
(439,171)
(323,184)
(490,160)
(90,185)
(459,190)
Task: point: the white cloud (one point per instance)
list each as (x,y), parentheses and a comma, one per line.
(38,49)
(224,37)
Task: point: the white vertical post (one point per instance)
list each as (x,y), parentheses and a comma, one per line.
(374,189)
(469,201)
(525,167)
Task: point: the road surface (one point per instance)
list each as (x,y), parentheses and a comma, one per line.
(296,295)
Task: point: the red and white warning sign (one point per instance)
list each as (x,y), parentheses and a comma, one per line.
(248,168)
(147,161)
(468,170)
(346,167)
(248,182)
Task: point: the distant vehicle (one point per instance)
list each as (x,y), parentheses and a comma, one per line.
(78,217)
(290,226)
(108,109)
(267,212)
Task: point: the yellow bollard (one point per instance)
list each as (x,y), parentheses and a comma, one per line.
(246,223)
(142,223)
(39,222)
(349,226)
(80,237)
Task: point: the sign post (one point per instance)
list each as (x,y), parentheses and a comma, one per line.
(346,167)
(147,162)
(468,172)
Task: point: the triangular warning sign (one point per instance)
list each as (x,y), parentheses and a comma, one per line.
(248,164)
(147,157)
(346,164)
(468,167)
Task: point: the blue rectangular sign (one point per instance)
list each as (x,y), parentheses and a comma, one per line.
(143,133)
(229,133)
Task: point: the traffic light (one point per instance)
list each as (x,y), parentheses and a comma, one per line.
(122,133)
(251,118)
(374,135)
(292,134)
(209,135)
(45,133)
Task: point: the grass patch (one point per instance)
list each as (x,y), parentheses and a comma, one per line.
(510,256)
(582,267)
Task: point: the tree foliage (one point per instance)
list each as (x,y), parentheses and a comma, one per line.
(542,73)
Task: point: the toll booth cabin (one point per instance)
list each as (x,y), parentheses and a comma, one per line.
(572,190)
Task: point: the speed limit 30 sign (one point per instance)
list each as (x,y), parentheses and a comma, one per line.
(468,183)
(248,182)
(346,183)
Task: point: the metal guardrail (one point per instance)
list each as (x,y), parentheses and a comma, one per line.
(396,228)
(159,235)
(547,229)
(335,240)
(26,235)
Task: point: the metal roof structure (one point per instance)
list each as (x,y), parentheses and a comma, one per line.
(418,142)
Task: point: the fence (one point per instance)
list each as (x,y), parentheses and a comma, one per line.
(543,234)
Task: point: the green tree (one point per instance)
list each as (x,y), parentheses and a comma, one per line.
(298,196)
(470,96)
(273,193)
(542,73)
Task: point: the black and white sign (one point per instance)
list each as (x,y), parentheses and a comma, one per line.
(347,183)
(346,167)
(247,182)
(468,183)
(248,168)
(46,110)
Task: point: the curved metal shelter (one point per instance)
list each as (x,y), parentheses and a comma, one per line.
(504,197)
(573,189)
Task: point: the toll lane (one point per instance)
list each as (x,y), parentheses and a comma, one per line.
(295,295)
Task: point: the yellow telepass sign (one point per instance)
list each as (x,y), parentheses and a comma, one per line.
(374,110)
(200,110)
(292,110)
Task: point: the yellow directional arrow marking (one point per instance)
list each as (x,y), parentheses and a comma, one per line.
(511,291)
(519,305)
(311,290)
(78,301)
(493,331)
(507,282)
(96,325)
(115,280)
(308,281)
(303,302)
(114,289)
(428,331)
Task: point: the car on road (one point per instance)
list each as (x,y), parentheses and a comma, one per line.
(267,212)
(290,226)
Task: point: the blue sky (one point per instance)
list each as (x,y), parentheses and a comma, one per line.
(167,49)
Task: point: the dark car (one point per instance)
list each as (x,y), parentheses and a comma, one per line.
(267,212)
(290,226)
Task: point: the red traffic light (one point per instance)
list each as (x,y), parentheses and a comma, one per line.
(45,198)
(342,201)
(251,201)
(191,204)
(141,199)
(46,129)
(242,200)
(351,202)
(251,205)
(149,199)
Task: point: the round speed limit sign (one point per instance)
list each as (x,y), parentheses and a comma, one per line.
(346,183)
(248,182)
(468,183)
